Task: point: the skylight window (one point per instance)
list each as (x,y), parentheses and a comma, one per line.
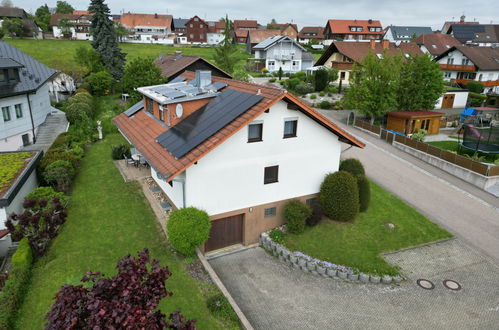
(434,46)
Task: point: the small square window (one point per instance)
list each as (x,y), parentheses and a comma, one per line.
(290,128)
(270,212)
(255,132)
(271,174)
(149,106)
(6,113)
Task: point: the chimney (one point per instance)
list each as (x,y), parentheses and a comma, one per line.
(372,43)
(155,15)
(386,44)
(370,21)
(203,78)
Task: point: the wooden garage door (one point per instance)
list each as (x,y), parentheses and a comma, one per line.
(225,232)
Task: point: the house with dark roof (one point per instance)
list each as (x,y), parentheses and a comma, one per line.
(463,64)
(398,34)
(484,35)
(77,29)
(352,30)
(12,193)
(283,52)
(24,97)
(462,21)
(148,28)
(30,28)
(309,33)
(180,30)
(173,65)
(342,55)
(230,148)
(436,43)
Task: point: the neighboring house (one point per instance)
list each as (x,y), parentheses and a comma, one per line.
(436,43)
(309,33)
(61,87)
(462,64)
(352,30)
(180,30)
(342,55)
(30,28)
(484,35)
(240,36)
(240,28)
(239,151)
(448,24)
(24,97)
(215,33)
(173,65)
(197,30)
(286,29)
(254,37)
(283,52)
(12,196)
(148,28)
(398,34)
(79,25)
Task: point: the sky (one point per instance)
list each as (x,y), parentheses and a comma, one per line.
(305,12)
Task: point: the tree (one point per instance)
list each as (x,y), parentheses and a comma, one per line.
(321,79)
(187,229)
(141,72)
(421,83)
(333,75)
(280,73)
(62,7)
(13,26)
(59,174)
(128,300)
(7,3)
(40,222)
(373,85)
(225,55)
(65,25)
(104,39)
(42,17)
(120,31)
(339,195)
(100,82)
(89,58)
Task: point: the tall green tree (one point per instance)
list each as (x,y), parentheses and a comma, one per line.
(14,27)
(90,59)
(421,83)
(373,85)
(120,31)
(141,72)
(42,17)
(65,25)
(63,7)
(104,39)
(226,54)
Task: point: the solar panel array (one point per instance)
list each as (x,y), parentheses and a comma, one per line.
(467,31)
(199,126)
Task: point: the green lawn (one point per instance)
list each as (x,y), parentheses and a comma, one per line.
(108,219)
(359,244)
(59,54)
(446,145)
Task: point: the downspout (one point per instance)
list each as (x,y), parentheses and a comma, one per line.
(183,193)
(31,116)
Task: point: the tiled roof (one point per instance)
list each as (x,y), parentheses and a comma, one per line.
(132,20)
(54,18)
(81,12)
(479,33)
(257,36)
(448,24)
(342,26)
(142,130)
(437,43)
(3,232)
(357,51)
(282,27)
(407,32)
(12,12)
(171,64)
(242,24)
(216,27)
(241,33)
(485,58)
(318,30)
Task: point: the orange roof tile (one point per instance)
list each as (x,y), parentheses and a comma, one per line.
(131,20)
(343,26)
(257,36)
(245,24)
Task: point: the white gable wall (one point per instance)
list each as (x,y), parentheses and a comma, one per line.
(231,176)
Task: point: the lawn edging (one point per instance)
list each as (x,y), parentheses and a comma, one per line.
(308,264)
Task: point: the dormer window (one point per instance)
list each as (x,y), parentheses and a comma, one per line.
(9,75)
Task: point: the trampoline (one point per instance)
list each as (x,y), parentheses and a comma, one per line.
(481,139)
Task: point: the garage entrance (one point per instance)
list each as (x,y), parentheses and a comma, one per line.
(225,232)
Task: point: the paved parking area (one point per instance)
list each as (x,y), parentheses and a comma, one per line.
(276,296)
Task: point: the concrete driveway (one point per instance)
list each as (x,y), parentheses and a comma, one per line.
(276,296)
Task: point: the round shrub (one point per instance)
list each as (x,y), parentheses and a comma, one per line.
(272,80)
(325,105)
(317,214)
(117,151)
(313,96)
(304,88)
(59,174)
(352,166)
(100,82)
(220,307)
(474,86)
(187,229)
(77,112)
(277,236)
(296,213)
(322,93)
(364,192)
(339,195)
(53,155)
(77,151)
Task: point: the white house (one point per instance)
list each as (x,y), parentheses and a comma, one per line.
(72,26)
(399,34)
(148,28)
(24,97)
(462,64)
(11,199)
(236,150)
(283,52)
(453,99)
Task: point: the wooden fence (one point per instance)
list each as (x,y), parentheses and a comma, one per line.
(365,125)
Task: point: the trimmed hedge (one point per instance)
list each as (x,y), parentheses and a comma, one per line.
(339,195)
(187,229)
(15,287)
(352,166)
(296,213)
(364,192)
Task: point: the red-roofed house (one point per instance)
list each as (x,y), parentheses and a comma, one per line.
(148,28)
(240,30)
(352,30)
(200,134)
(215,33)
(197,30)
(80,20)
(308,33)
(436,43)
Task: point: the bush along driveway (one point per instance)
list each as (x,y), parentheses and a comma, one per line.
(108,219)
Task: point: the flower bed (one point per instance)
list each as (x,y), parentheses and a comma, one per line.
(308,264)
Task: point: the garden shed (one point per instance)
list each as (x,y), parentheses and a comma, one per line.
(408,122)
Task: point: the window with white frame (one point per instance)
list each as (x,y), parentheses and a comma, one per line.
(447,74)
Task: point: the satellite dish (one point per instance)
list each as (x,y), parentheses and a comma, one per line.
(179,110)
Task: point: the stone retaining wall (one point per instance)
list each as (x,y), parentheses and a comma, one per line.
(307,264)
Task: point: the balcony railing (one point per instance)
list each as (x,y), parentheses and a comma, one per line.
(342,65)
(456,67)
(487,83)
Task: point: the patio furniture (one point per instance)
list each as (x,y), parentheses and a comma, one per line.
(128,161)
(136,159)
